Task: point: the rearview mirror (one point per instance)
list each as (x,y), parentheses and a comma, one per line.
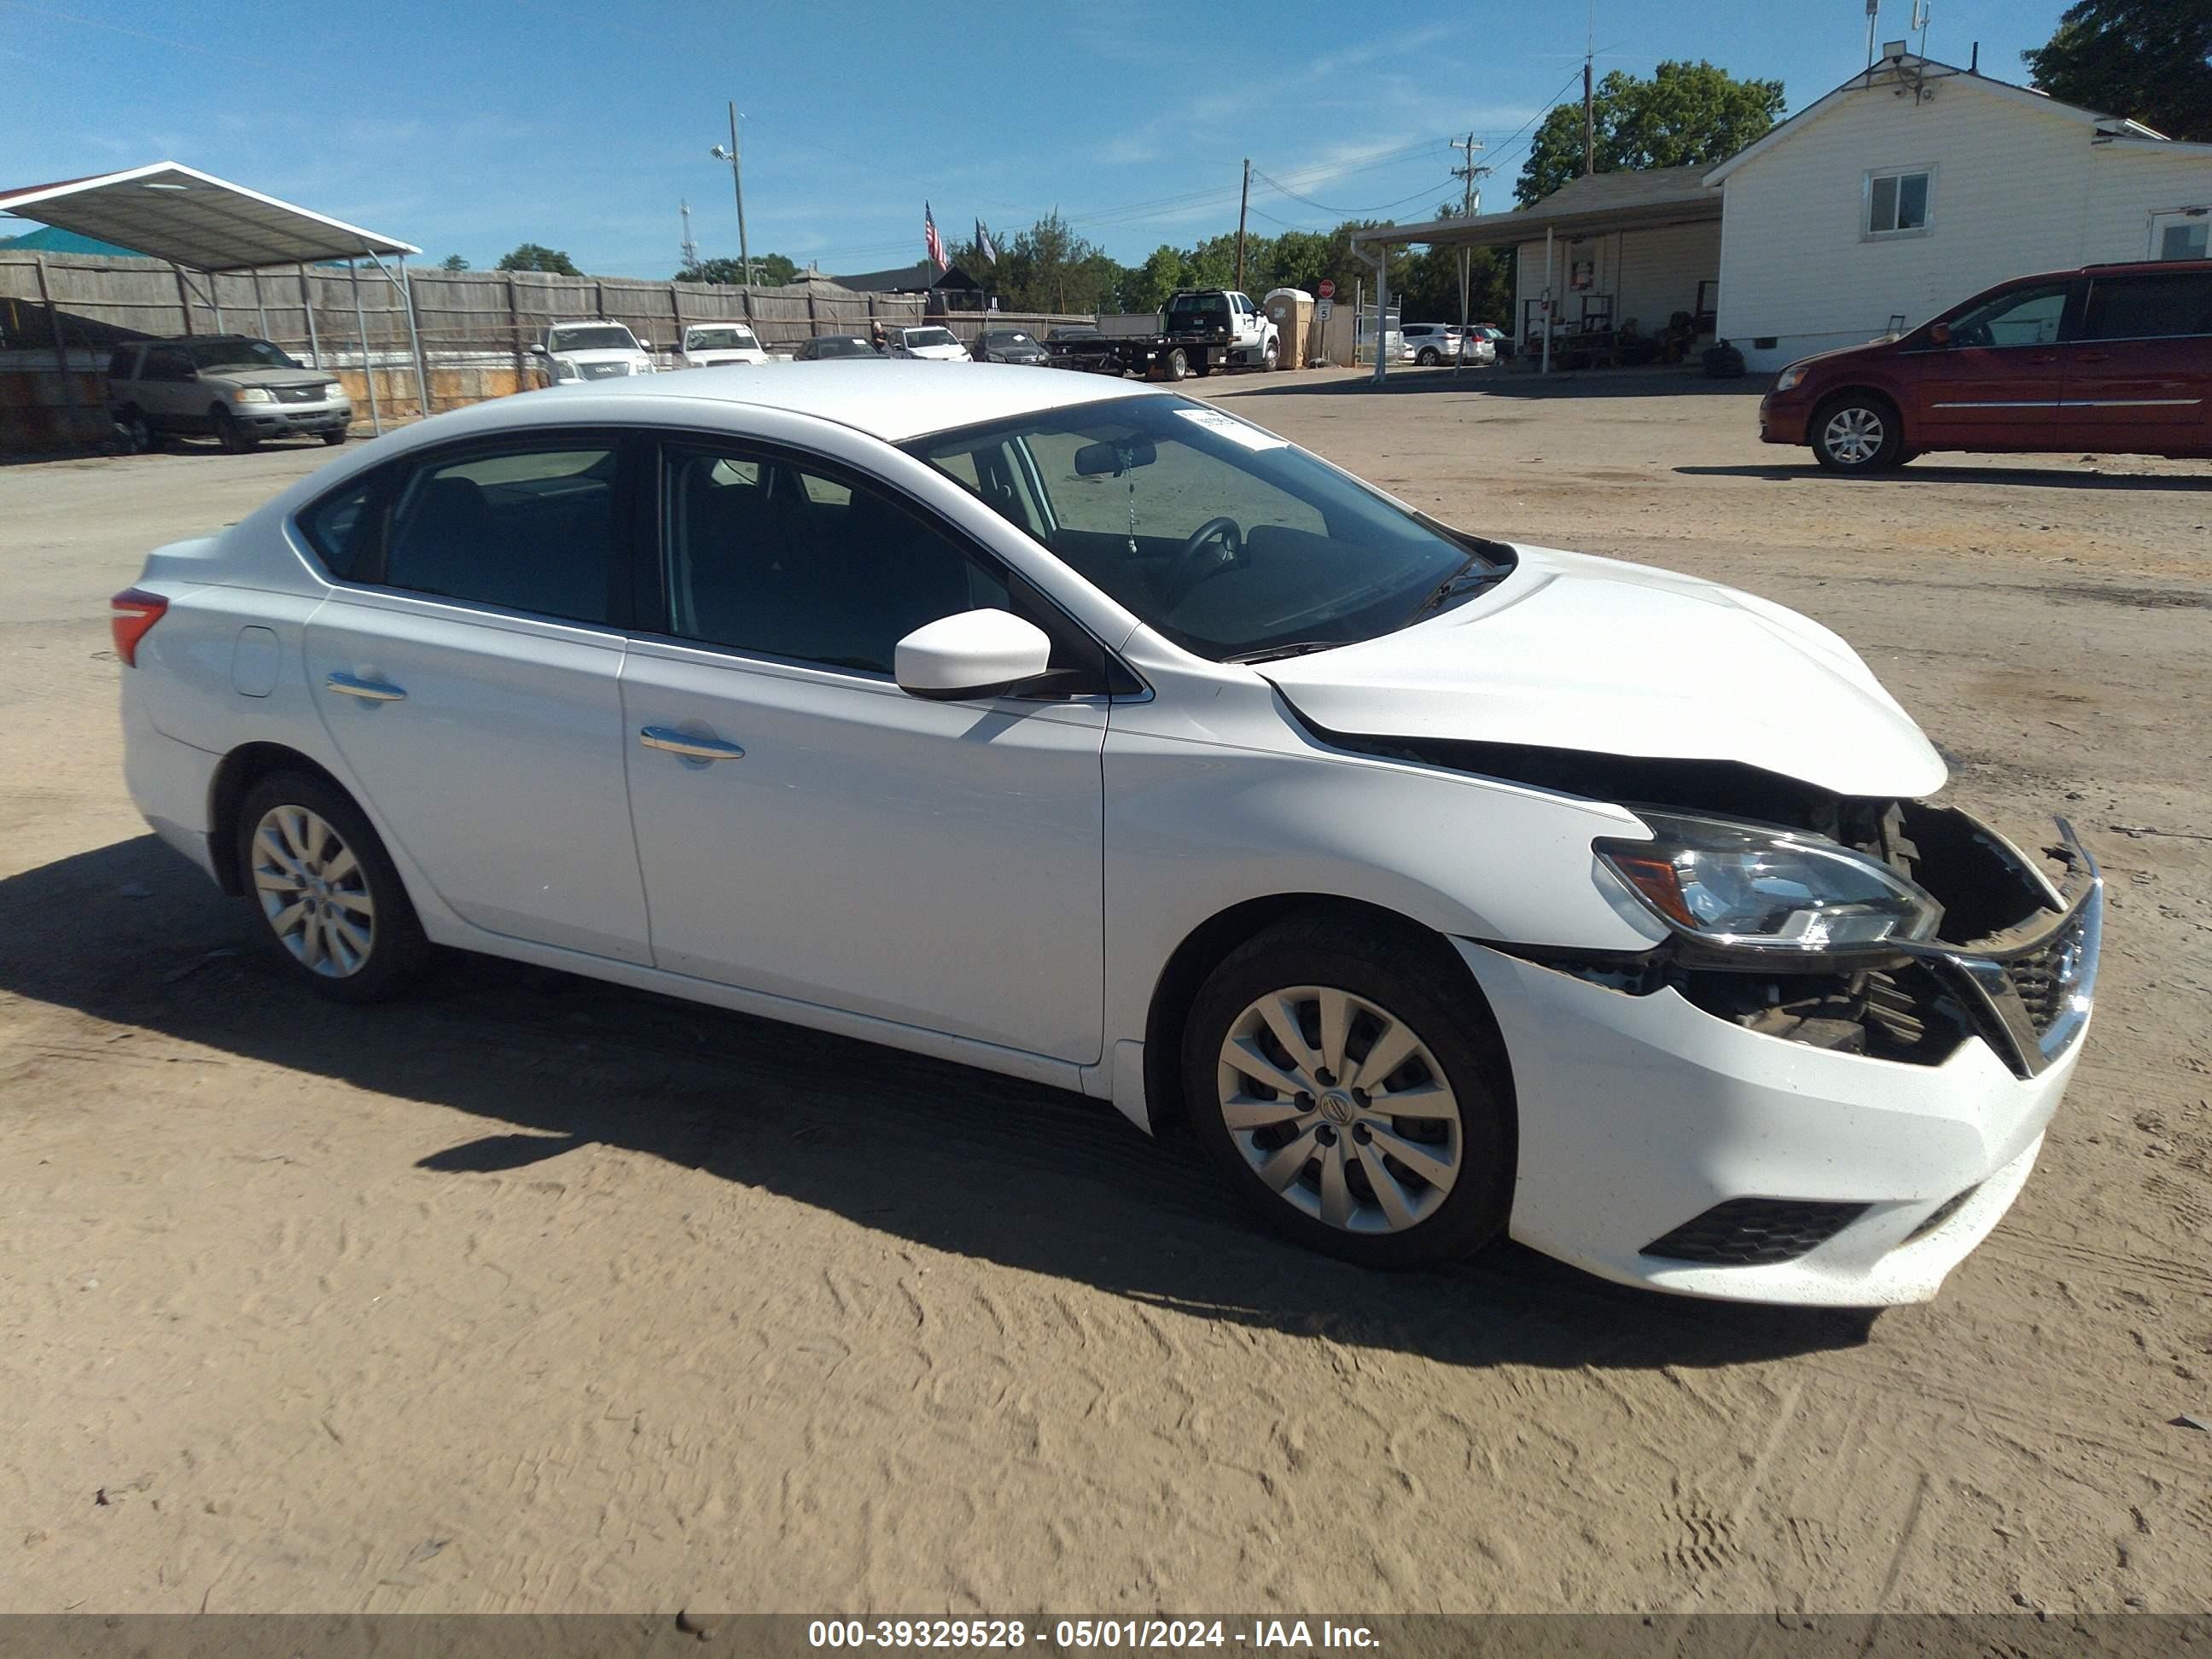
(975,653)
(1106,460)
(1939,334)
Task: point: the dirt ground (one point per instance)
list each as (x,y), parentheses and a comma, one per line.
(536,1294)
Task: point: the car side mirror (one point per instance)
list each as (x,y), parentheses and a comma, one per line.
(1939,334)
(973,653)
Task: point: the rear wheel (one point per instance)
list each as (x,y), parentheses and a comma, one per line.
(1430,357)
(138,430)
(1202,364)
(1351,1097)
(234,438)
(1176,364)
(1857,432)
(331,904)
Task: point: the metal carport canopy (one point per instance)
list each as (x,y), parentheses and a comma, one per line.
(1596,204)
(170,211)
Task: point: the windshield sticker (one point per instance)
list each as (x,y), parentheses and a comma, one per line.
(1233,429)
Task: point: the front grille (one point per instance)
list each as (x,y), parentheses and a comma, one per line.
(2041,980)
(1941,1213)
(299,394)
(1755,1232)
(604,371)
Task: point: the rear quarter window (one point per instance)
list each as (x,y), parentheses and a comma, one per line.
(342,527)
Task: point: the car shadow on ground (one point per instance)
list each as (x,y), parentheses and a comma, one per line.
(1919,473)
(947,1156)
(1413,381)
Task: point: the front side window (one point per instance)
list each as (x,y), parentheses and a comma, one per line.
(1896,202)
(2148,307)
(767,556)
(525,529)
(2019,317)
(1224,537)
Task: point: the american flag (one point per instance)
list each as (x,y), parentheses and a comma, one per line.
(931,239)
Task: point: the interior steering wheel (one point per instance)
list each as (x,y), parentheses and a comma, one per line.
(1196,561)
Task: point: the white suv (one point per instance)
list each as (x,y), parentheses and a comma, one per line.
(239,389)
(1085,734)
(570,353)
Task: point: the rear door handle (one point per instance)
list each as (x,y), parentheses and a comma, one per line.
(691,748)
(350,685)
(2094,357)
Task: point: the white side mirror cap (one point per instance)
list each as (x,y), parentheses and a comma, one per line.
(973,653)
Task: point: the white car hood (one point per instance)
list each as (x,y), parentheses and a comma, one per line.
(1577,653)
(951,353)
(716,359)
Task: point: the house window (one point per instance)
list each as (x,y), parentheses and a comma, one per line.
(2184,235)
(1897,203)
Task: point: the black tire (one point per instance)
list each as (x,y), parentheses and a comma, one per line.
(1202,364)
(334,439)
(1857,432)
(1416,981)
(234,439)
(1270,359)
(133,421)
(1429,357)
(397,950)
(1176,364)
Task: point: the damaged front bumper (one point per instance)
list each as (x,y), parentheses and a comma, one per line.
(1723,1124)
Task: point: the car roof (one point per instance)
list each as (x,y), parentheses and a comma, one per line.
(890,400)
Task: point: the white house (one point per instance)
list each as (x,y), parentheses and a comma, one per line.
(1914,186)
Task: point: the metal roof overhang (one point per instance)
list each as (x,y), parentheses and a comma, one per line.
(172,212)
(1511,229)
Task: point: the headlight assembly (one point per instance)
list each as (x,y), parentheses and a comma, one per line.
(250,394)
(1738,884)
(1789,377)
(564,371)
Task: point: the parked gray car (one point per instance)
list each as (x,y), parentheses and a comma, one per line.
(240,389)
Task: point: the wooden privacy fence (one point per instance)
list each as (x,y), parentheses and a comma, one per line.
(475,326)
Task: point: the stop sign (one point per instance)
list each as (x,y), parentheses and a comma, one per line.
(1326,290)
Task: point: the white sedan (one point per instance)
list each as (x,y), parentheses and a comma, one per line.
(1078,731)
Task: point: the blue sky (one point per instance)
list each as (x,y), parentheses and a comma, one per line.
(471,127)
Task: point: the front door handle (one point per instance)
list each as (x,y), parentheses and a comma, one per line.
(2093,357)
(691,748)
(350,685)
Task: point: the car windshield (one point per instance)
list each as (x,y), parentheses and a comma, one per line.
(842,345)
(1222,536)
(610,337)
(929,336)
(1008,337)
(238,354)
(720,339)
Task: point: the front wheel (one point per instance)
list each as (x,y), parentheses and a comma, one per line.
(1856,433)
(1269,358)
(332,907)
(234,439)
(334,439)
(1353,1092)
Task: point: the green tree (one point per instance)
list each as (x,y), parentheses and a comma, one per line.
(1047,267)
(452,261)
(2149,59)
(533,256)
(770,269)
(1684,114)
(1165,270)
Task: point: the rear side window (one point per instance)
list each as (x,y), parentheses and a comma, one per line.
(342,527)
(2148,307)
(118,365)
(529,529)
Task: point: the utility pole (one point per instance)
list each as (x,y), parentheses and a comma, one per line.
(1243,198)
(736,159)
(1470,205)
(1589,122)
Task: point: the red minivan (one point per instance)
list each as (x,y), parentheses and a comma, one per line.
(2112,358)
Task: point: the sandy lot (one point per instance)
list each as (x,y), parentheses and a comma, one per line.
(535,1294)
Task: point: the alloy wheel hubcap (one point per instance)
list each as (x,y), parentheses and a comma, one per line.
(1854,434)
(313,891)
(1338,1105)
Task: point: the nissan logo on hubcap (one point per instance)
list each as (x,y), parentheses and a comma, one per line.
(1336,1106)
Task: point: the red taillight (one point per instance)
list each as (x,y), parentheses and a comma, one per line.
(135,611)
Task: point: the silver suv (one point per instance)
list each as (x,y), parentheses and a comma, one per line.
(242,390)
